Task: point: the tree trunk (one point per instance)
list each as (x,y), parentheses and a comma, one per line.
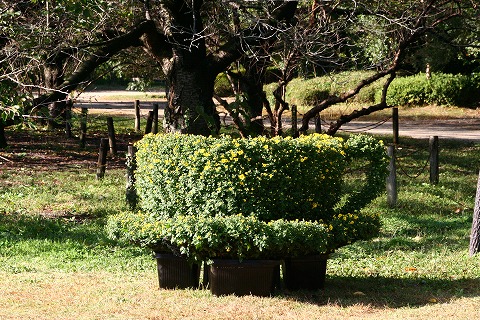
(53,78)
(475,233)
(190,106)
(3,139)
(255,97)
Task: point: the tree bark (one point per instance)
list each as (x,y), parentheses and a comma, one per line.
(475,232)
(3,139)
(189,75)
(53,78)
(190,106)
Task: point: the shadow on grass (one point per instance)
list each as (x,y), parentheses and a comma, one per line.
(83,230)
(381,292)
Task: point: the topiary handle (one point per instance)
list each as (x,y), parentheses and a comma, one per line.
(373,151)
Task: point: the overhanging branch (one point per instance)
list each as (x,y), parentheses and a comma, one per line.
(96,58)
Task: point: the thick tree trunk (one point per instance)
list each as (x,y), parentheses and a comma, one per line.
(53,77)
(190,106)
(475,233)
(255,100)
(3,139)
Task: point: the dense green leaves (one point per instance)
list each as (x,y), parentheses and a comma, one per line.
(251,198)
(271,178)
(236,236)
(441,89)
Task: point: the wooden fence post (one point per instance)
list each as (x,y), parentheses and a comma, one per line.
(102,158)
(155,118)
(392,178)
(395,125)
(68,118)
(136,105)
(318,123)
(148,127)
(294,121)
(111,137)
(131,192)
(83,127)
(434,152)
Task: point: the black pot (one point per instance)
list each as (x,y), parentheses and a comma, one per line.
(305,273)
(176,272)
(248,277)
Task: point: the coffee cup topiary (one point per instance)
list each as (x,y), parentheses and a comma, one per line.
(207,197)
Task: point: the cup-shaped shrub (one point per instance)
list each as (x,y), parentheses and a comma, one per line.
(278,178)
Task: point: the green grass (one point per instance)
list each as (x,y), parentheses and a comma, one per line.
(54,250)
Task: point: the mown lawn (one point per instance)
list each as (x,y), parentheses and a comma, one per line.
(57,263)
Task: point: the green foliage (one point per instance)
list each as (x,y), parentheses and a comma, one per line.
(222,86)
(11,102)
(208,237)
(351,227)
(312,91)
(138,84)
(288,239)
(208,197)
(271,178)
(442,89)
(363,148)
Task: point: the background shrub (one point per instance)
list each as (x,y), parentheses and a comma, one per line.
(308,92)
(441,89)
(222,86)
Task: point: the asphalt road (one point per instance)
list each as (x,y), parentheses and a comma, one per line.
(458,129)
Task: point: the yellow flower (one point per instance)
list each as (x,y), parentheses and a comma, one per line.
(241,176)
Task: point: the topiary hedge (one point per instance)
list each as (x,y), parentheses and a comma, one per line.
(441,89)
(256,198)
(308,92)
(278,178)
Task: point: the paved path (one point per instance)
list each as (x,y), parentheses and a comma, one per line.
(461,129)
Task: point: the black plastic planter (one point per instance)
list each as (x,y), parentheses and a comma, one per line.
(176,272)
(248,277)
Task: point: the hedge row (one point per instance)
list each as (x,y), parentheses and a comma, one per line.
(440,89)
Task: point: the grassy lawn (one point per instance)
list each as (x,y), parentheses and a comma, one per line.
(57,263)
